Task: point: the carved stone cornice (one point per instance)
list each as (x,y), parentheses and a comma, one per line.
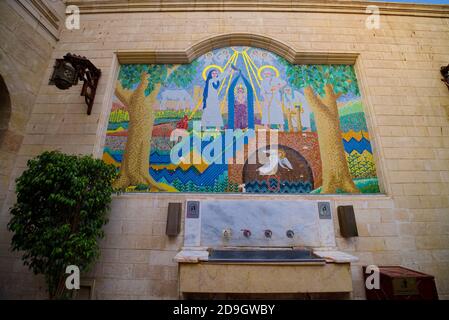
(320,6)
(41,12)
(235,39)
(46,12)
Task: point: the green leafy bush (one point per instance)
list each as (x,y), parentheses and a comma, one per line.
(62,205)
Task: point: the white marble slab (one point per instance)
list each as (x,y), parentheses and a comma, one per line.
(255,215)
(192,232)
(336,256)
(191,256)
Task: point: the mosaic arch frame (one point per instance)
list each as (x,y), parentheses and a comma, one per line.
(192,53)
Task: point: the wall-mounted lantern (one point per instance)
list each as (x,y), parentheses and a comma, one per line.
(445,73)
(70,69)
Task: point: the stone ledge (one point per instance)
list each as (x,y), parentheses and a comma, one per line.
(256,278)
(310,6)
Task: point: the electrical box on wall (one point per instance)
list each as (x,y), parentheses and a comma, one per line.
(173,219)
(346,220)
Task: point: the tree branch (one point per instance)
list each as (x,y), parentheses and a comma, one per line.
(330,99)
(149,100)
(122,94)
(171,70)
(143,84)
(314,100)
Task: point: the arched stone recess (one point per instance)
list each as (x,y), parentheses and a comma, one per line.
(341,162)
(22,99)
(19,101)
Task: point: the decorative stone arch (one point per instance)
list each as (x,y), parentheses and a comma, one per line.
(235,39)
(149,56)
(22,99)
(18,102)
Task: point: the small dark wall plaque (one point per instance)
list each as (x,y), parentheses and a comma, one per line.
(173,219)
(405,286)
(324,210)
(193,209)
(346,220)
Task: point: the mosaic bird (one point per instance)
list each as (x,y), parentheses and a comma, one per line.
(275,158)
(283,161)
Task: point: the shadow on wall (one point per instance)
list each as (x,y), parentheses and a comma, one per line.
(5,109)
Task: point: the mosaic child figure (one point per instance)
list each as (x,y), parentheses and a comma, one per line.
(240,109)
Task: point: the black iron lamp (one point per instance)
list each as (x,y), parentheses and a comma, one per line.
(445,73)
(70,69)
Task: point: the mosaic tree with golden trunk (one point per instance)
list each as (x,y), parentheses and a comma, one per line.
(337,80)
(147,81)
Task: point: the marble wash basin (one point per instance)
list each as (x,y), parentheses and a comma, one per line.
(286,256)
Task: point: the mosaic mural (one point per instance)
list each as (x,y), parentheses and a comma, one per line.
(239,119)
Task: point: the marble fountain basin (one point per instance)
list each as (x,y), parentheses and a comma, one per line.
(264,256)
(271,270)
(299,255)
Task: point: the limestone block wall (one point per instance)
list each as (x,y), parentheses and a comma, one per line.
(25,50)
(404,99)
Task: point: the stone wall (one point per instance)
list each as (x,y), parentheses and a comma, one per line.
(406,105)
(25,49)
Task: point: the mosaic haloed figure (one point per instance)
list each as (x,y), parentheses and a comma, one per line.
(272,98)
(211,103)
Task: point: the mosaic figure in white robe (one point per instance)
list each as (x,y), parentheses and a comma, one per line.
(271,91)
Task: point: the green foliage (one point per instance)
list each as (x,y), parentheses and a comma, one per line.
(119,116)
(361,165)
(368,185)
(233,187)
(182,76)
(342,77)
(350,108)
(177,114)
(142,187)
(62,202)
(129,75)
(312,122)
(353,121)
(364,185)
(222,184)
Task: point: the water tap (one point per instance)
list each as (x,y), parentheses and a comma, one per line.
(227,233)
(246,233)
(268,233)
